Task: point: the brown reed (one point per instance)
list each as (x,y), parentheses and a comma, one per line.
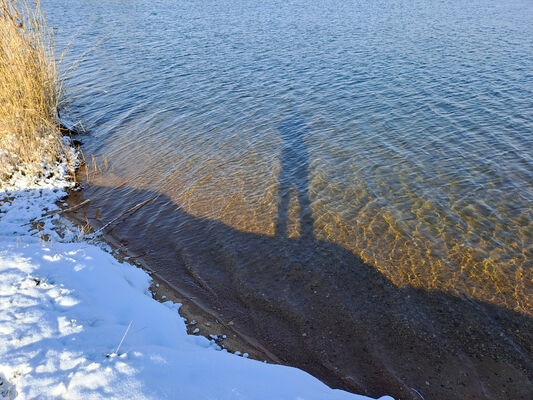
(30,89)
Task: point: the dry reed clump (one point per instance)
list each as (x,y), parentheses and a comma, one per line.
(29,92)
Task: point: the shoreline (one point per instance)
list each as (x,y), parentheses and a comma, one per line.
(317,313)
(406,335)
(195,314)
(66,303)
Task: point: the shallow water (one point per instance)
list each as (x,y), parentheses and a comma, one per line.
(401,131)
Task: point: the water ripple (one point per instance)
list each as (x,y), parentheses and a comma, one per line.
(413,146)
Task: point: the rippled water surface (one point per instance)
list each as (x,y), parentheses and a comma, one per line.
(399,130)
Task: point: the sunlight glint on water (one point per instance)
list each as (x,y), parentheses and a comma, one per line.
(407,128)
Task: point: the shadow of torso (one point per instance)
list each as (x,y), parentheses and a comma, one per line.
(293,177)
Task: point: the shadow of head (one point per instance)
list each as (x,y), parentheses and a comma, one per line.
(293,128)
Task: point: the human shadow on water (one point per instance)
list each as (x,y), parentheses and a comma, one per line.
(319,307)
(293,177)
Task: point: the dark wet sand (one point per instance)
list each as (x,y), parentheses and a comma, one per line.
(316,306)
(195,315)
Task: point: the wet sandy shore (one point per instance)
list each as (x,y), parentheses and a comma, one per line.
(198,319)
(316,306)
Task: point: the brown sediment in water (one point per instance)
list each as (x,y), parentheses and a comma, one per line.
(317,306)
(198,319)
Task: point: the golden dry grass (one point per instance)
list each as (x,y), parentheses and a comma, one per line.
(29,91)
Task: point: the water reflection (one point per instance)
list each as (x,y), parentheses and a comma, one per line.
(293,177)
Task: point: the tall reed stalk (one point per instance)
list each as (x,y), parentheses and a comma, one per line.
(29,91)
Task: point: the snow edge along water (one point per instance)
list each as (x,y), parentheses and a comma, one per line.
(75,323)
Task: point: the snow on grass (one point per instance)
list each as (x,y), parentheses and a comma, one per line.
(66,306)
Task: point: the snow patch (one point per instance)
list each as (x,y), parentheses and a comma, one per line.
(7,390)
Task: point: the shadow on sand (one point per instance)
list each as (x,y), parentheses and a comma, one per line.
(317,306)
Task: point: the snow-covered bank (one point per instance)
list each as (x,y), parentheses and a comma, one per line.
(65,306)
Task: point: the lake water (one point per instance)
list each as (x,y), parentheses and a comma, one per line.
(399,131)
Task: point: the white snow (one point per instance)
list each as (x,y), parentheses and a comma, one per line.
(65,308)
